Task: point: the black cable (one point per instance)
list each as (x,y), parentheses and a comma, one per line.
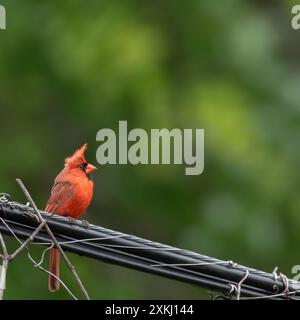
(144,255)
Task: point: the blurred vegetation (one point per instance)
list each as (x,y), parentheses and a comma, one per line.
(70,68)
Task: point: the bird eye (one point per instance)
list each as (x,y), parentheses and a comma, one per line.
(83,166)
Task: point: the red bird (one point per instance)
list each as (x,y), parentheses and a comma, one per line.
(70,196)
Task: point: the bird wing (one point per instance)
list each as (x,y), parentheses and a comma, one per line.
(62,192)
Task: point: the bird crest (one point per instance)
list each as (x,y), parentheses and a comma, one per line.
(77,158)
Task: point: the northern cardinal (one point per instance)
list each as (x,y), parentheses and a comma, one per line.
(70,196)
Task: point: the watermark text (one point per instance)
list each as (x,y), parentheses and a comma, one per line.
(2,18)
(163,146)
(296,18)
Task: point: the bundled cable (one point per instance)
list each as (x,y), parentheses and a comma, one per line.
(226,277)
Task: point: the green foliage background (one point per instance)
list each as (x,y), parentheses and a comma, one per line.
(69,68)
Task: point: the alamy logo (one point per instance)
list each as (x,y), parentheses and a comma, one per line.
(135,147)
(2,18)
(296,18)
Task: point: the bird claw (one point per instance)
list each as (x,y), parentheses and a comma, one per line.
(71,220)
(86,224)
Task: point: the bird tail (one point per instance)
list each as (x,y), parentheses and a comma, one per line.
(53,284)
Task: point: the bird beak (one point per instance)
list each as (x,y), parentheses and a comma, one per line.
(90,168)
